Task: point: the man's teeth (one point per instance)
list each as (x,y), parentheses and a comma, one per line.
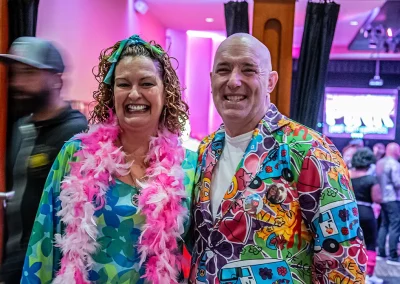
(235,98)
(136,107)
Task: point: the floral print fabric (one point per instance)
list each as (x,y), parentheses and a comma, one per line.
(118,225)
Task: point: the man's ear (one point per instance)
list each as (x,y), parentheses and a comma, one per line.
(58,81)
(272,80)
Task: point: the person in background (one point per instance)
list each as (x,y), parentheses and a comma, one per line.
(358,143)
(118,197)
(367,191)
(35,83)
(379,151)
(350,149)
(348,153)
(388,174)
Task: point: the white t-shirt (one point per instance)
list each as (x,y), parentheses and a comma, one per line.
(225,169)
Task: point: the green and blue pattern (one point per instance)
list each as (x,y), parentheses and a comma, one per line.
(118,224)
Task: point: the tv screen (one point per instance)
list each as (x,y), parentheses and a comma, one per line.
(360,113)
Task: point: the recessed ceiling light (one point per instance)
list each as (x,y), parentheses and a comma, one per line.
(209,20)
(354,23)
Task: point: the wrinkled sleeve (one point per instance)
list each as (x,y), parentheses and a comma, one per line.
(395,175)
(42,259)
(331,216)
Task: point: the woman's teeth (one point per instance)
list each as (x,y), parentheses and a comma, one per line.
(136,108)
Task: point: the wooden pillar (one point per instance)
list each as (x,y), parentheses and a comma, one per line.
(273,24)
(3,112)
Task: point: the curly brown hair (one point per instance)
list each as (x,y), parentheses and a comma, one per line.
(176,110)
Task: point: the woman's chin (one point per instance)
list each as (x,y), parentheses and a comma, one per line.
(137,123)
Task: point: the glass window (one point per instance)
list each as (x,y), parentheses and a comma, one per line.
(245,272)
(229,274)
(326,217)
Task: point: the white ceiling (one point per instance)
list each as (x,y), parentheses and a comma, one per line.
(191,15)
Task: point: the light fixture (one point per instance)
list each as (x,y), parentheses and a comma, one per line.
(141,7)
(389,32)
(354,23)
(209,20)
(204,34)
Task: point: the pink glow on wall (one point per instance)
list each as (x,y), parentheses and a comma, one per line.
(83,28)
(151,29)
(214,119)
(200,51)
(198,66)
(176,46)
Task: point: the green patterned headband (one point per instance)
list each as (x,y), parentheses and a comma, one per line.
(133,40)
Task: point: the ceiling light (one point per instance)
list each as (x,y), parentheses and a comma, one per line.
(203,34)
(389,32)
(209,20)
(141,7)
(354,23)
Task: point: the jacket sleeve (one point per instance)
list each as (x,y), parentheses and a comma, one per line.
(395,175)
(42,259)
(189,167)
(331,215)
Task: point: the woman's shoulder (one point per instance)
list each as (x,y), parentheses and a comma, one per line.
(71,146)
(190,155)
(189,164)
(365,180)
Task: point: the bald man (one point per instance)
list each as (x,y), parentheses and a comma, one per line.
(388,174)
(273,200)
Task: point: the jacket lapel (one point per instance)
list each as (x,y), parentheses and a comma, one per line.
(253,159)
(210,158)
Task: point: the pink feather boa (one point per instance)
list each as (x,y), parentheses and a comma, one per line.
(160,201)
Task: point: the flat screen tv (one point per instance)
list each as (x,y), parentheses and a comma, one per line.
(360,113)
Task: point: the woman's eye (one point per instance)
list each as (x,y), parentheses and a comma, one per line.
(147,84)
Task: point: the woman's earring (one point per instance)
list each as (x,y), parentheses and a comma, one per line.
(165,115)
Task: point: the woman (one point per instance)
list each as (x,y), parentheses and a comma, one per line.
(116,200)
(367,191)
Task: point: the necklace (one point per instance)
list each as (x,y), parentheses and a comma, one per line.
(135,179)
(135,182)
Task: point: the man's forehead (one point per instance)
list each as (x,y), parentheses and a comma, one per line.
(243,59)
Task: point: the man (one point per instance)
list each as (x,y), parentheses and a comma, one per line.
(379,151)
(273,200)
(36,68)
(388,174)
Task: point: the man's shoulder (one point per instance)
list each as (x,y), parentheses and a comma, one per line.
(73,125)
(300,131)
(393,163)
(208,139)
(308,136)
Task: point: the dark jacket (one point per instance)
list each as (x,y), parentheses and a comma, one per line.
(32,152)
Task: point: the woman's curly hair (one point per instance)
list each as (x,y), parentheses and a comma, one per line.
(363,159)
(176,110)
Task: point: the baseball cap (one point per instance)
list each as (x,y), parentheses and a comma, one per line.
(35,52)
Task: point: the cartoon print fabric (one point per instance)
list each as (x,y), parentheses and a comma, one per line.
(289,215)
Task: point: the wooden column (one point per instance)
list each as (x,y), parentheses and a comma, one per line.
(3,112)
(273,24)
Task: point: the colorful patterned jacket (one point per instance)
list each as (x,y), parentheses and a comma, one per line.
(289,215)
